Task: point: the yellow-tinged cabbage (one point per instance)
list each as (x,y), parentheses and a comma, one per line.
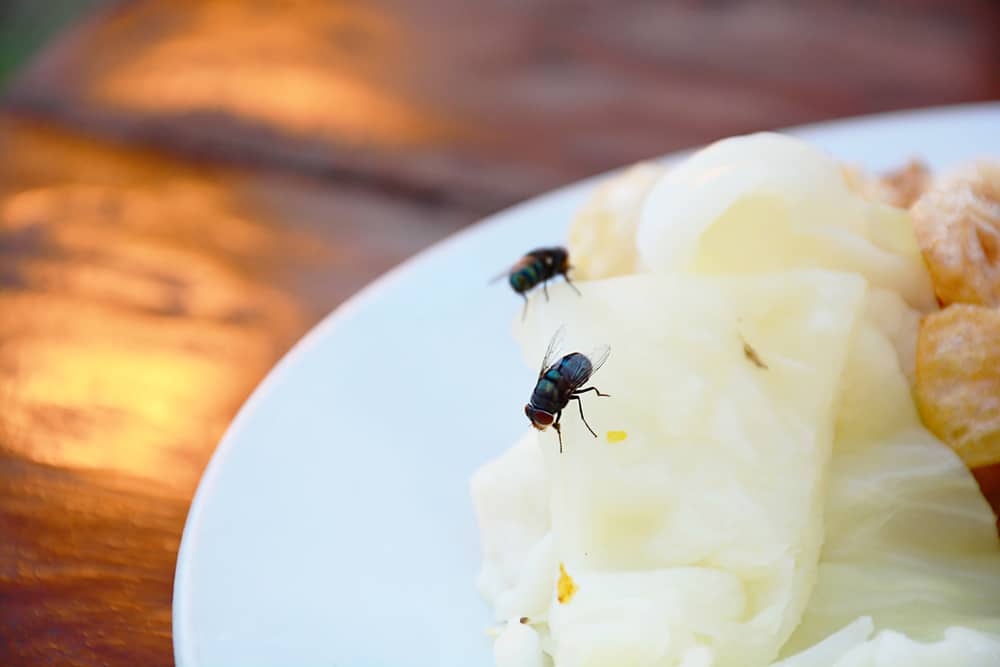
(767,202)
(714,502)
(910,541)
(776,483)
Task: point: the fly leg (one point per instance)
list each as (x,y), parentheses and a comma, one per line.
(558,429)
(584,391)
(579,404)
(570,283)
(545,288)
(524,311)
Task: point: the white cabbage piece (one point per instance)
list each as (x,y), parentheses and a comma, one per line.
(959,647)
(855,647)
(766,202)
(695,541)
(830,650)
(518,645)
(910,541)
(714,500)
(511,499)
(900,323)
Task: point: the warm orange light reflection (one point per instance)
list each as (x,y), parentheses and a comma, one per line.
(140,313)
(334,78)
(102,405)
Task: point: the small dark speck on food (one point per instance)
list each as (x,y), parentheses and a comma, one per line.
(752,355)
(525,620)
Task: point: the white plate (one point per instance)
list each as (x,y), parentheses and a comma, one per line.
(333,525)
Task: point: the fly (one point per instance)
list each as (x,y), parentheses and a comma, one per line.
(538,267)
(560,382)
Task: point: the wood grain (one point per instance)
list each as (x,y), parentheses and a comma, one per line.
(141,300)
(187,186)
(491,102)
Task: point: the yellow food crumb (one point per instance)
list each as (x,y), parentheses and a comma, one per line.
(565,589)
(616,436)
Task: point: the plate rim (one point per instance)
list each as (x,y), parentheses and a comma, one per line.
(184,646)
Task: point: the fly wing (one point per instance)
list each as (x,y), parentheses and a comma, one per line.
(597,357)
(503,274)
(552,351)
(519,264)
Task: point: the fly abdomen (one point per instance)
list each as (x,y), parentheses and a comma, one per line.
(536,268)
(527,277)
(574,369)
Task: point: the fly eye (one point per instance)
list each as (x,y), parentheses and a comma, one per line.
(538,418)
(543,418)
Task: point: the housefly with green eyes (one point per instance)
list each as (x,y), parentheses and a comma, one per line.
(538,267)
(559,382)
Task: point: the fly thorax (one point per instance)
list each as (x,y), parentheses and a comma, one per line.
(546,394)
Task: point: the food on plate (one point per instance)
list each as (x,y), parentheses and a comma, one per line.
(617,436)
(603,233)
(777,499)
(906,184)
(957,223)
(958,380)
(565,587)
(899,187)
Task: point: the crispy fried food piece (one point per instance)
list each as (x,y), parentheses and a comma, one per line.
(957,223)
(900,187)
(958,380)
(861,183)
(602,236)
(905,185)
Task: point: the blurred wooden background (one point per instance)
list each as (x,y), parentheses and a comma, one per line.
(187,185)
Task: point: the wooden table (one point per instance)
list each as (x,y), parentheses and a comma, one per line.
(188,185)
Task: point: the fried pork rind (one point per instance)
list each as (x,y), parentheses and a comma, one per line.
(958,380)
(957,223)
(602,236)
(906,184)
(900,187)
